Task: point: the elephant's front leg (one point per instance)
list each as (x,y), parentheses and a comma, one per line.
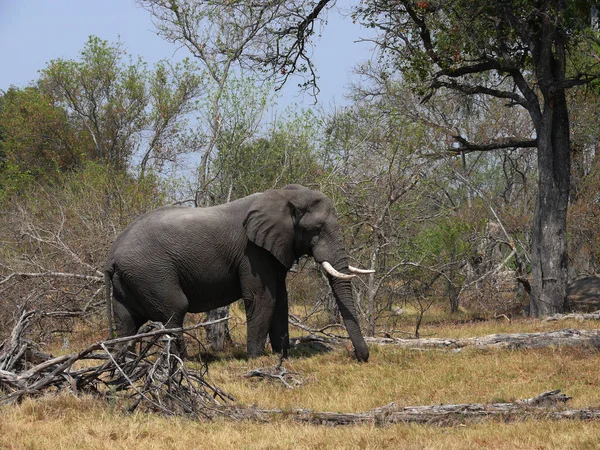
(259,313)
(279,333)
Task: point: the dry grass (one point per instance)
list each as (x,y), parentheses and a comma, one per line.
(334,382)
(69,423)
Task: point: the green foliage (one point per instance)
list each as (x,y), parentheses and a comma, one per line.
(38,140)
(286,154)
(447,240)
(116,101)
(105,95)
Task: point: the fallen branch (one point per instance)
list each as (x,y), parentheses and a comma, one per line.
(91,278)
(296,322)
(576,316)
(157,379)
(540,406)
(277,372)
(566,337)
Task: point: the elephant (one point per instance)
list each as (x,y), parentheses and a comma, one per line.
(175,259)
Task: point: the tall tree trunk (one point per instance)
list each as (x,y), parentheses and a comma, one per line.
(452,295)
(549,241)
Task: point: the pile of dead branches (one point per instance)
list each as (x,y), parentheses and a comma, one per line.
(153,378)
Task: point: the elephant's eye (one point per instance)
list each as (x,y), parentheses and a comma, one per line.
(313,235)
(314,231)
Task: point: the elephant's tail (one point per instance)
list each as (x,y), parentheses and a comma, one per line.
(108,273)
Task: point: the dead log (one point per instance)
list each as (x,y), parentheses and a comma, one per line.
(575,316)
(566,337)
(13,349)
(542,406)
(584,294)
(49,274)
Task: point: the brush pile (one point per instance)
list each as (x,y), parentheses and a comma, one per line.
(154,378)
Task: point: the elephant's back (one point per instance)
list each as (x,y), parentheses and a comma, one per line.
(172,233)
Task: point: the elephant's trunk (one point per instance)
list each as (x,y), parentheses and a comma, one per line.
(342,291)
(330,253)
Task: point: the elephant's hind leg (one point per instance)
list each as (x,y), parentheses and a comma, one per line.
(136,303)
(127,321)
(166,303)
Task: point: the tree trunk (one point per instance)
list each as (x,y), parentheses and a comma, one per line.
(218,334)
(371,289)
(549,241)
(331,307)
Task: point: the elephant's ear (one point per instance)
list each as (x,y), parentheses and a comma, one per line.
(270,225)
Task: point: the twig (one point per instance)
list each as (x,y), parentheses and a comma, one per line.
(278,373)
(92,278)
(131,382)
(295,321)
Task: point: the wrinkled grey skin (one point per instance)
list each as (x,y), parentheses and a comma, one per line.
(175,260)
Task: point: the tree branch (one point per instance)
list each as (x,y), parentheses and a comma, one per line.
(478,89)
(92,278)
(468,147)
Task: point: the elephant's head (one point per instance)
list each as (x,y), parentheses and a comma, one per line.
(297,221)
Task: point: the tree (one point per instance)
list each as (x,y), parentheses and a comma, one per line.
(37,139)
(376,163)
(285,153)
(218,35)
(515,51)
(118,102)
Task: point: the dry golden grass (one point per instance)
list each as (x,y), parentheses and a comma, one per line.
(333,381)
(69,423)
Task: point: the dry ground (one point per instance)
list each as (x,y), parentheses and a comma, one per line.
(332,381)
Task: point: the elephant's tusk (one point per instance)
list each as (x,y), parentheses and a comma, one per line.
(360,271)
(334,273)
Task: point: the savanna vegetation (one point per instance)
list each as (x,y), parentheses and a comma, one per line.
(464,170)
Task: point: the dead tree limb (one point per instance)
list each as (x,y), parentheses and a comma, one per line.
(566,337)
(576,316)
(49,274)
(540,406)
(296,322)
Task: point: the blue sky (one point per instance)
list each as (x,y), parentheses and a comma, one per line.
(32,32)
